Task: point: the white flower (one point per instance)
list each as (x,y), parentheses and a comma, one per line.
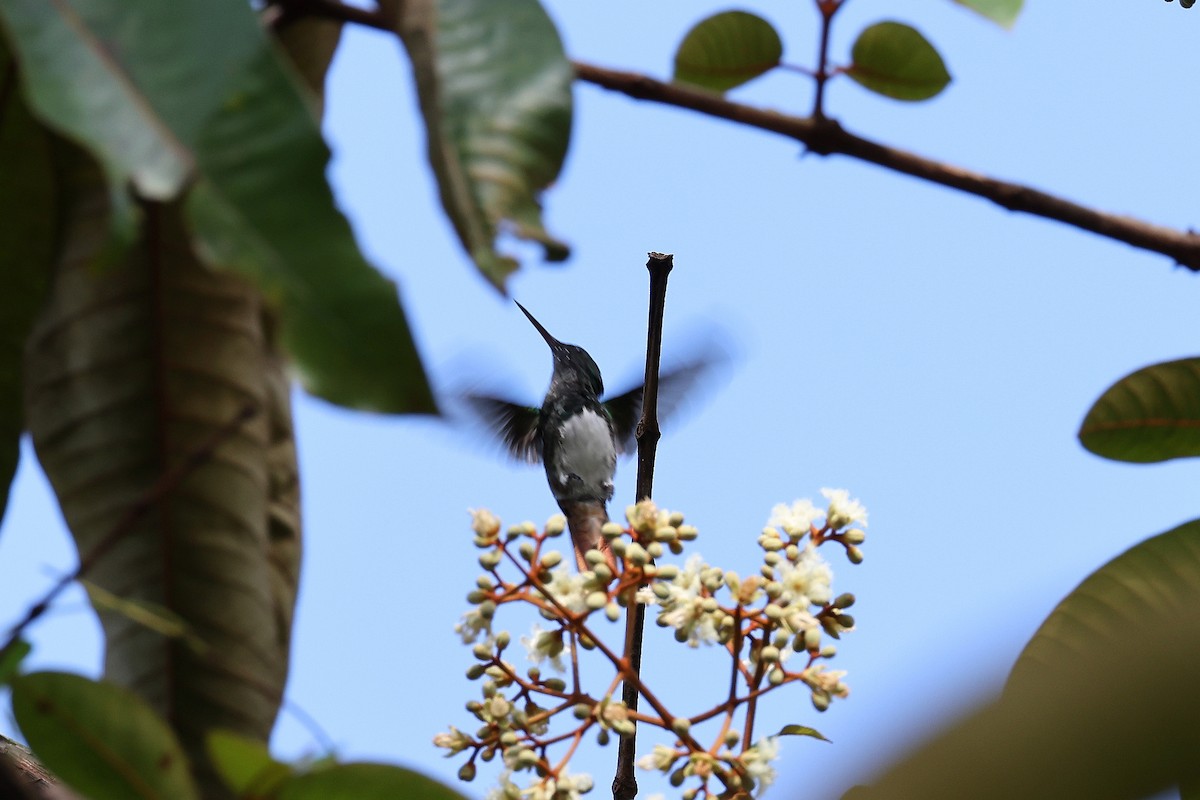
(454,741)
(806,581)
(542,645)
(842,510)
(683,607)
(473,623)
(661,759)
(757,760)
(564,787)
(484,523)
(569,590)
(797,519)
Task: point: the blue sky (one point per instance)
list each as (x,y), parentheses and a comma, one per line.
(924,349)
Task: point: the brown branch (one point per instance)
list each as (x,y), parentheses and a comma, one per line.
(825,136)
(624,786)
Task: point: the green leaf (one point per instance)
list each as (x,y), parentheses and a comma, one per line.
(246,765)
(130,371)
(29,208)
(99,738)
(895,60)
(1154,579)
(1102,704)
(801,730)
(1151,415)
(1002,12)
(136,81)
(495,92)
(365,782)
(11,658)
(727,50)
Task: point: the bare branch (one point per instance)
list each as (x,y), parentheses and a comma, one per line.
(825,137)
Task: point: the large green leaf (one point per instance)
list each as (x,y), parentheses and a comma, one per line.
(495,90)
(727,50)
(29,207)
(101,739)
(1002,12)
(193,88)
(1154,579)
(130,370)
(1102,703)
(246,765)
(895,60)
(365,782)
(1151,415)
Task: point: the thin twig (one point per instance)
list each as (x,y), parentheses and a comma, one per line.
(659,264)
(136,510)
(826,137)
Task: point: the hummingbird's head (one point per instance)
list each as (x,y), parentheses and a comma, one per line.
(572,364)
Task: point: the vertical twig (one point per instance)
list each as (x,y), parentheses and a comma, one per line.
(659,264)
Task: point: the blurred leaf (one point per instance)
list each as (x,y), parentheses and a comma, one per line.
(129,371)
(246,764)
(1155,578)
(100,739)
(365,782)
(1002,12)
(896,61)
(802,730)
(134,80)
(1106,714)
(727,50)
(495,90)
(29,208)
(1151,415)
(11,658)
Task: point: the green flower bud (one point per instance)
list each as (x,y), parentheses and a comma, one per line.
(769,654)
(582,711)
(845,620)
(487,609)
(854,554)
(555,684)
(467,771)
(681,726)
(596,600)
(843,600)
(655,549)
(490,559)
(526,549)
(773,612)
(476,597)
(475,671)
(775,677)
(502,640)
(603,737)
(619,546)
(773,588)
(611,530)
(637,554)
(675,547)
(854,536)
(667,572)
(675,519)
(613,612)
(828,651)
(678,777)
(555,525)
(820,700)
(482,651)
(551,559)
(732,738)
(484,582)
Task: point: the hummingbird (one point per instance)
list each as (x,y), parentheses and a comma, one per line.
(576,435)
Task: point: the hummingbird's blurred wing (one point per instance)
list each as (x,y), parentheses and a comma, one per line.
(515,425)
(674,385)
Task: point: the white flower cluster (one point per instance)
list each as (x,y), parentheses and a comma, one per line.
(765,619)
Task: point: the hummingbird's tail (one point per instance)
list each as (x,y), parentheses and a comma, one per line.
(585,518)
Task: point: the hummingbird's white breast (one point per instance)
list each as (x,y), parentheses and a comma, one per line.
(588,453)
